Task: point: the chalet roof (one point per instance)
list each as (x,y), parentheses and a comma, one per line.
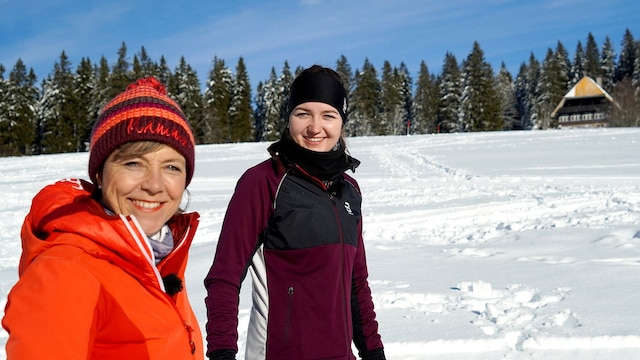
(586,87)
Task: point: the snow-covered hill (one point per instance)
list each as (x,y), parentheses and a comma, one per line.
(505,245)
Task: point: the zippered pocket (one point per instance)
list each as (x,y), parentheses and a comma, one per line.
(288,315)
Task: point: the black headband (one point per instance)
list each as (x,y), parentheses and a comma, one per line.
(318,87)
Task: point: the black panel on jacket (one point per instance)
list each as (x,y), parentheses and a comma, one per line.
(307,216)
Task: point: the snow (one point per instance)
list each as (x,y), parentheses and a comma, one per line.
(503,245)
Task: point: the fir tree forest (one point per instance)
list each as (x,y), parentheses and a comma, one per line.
(57,114)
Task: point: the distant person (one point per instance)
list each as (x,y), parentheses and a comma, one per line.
(102,265)
(295,223)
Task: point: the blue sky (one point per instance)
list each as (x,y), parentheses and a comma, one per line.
(303,32)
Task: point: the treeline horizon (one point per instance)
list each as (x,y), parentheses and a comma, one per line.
(58,114)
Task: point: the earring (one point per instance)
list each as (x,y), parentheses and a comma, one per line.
(186,206)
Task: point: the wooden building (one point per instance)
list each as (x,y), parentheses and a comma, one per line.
(586,104)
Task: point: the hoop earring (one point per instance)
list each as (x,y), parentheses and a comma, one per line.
(186,191)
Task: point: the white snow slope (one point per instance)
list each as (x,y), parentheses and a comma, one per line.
(503,245)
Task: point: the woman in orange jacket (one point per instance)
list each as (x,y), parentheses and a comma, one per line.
(101,272)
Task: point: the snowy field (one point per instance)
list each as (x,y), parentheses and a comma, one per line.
(505,245)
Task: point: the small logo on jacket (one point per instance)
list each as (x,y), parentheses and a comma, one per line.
(347,207)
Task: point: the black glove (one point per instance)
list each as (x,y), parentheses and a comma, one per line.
(222,354)
(376,354)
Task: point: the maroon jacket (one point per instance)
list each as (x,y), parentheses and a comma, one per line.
(302,244)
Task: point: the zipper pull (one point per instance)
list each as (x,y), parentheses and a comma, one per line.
(191,343)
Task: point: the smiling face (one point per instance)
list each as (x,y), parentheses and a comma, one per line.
(148,186)
(315,126)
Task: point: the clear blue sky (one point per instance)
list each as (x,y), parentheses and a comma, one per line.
(304,32)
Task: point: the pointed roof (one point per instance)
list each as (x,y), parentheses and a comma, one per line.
(586,87)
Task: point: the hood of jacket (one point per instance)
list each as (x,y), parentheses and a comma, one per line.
(65,214)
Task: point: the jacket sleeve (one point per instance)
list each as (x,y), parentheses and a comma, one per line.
(365,326)
(246,217)
(51,311)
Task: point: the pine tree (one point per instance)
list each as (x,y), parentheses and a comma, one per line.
(564,65)
(121,75)
(579,65)
(636,67)
(185,91)
(553,85)
(366,102)
(627,57)
(136,72)
(527,93)
(259,113)
(344,70)
(547,88)
(450,87)
(163,73)
(17,118)
(217,100)
(58,109)
(102,74)
(608,65)
(480,102)
(592,59)
(406,86)
(143,66)
(534,76)
(241,112)
(635,77)
(271,102)
(425,102)
(84,87)
(284,87)
(520,90)
(505,87)
(391,116)
(4,113)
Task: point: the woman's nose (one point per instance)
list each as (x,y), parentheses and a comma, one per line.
(153,180)
(315,125)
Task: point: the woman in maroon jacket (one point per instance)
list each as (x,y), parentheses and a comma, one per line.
(294,222)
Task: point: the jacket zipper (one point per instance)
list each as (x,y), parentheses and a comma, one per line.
(343,285)
(190,333)
(325,186)
(289,310)
(189,329)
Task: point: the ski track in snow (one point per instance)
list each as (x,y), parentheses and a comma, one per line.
(444,196)
(445,205)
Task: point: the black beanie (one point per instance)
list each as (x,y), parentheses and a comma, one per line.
(321,87)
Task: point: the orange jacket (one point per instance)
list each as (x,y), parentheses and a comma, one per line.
(88,287)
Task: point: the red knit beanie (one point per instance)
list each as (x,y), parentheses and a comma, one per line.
(143,112)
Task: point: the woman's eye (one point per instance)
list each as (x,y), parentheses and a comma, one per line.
(174,168)
(132,164)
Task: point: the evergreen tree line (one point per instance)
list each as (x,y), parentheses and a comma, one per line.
(57,116)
